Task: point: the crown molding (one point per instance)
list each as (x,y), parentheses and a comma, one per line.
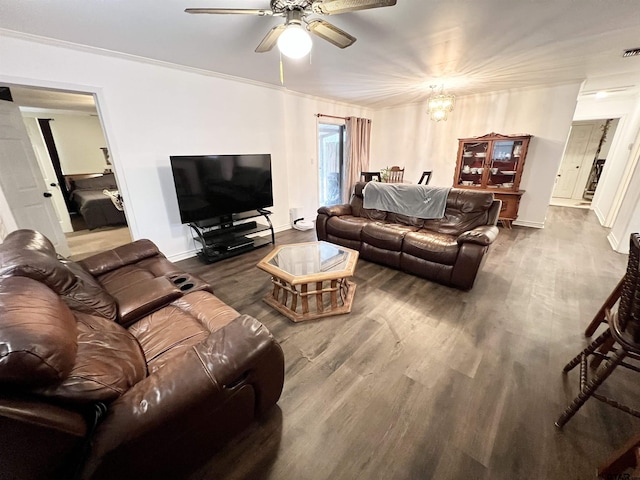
(160,63)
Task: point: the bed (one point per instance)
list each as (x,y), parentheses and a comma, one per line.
(97,199)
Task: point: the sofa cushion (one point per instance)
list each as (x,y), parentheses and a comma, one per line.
(75,285)
(373,214)
(466,209)
(108,363)
(29,240)
(37,334)
(87,295)
(388,236)
(348,226)
(36,265)
(358,210)
(124,278)
(405,220)
(433,246)
(118,257)
(169,332)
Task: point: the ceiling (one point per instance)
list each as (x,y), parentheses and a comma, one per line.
(467,46)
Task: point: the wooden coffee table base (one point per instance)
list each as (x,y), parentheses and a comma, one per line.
(309,301)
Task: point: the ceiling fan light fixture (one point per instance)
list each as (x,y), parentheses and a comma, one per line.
(295,42)
(631,52)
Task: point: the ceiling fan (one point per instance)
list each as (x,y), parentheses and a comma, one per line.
(292,37)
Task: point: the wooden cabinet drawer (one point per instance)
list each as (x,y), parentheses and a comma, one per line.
(510,204)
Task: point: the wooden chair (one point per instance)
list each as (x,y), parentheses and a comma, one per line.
(426,176)
(396,174)
(599,319)
(369,176)
(623,336)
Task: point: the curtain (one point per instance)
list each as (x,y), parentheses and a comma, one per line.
(358,133)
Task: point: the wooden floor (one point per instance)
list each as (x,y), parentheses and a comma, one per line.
(422,381)
(85,243)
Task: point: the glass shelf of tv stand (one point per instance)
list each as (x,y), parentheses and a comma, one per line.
(226,239)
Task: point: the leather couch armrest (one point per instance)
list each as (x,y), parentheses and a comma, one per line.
(144,298)
(244,351)
(120,256)
(39,440)
(43,415)
(336,210)
(483,235)
(200,399)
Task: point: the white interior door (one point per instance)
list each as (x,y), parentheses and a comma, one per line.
(580,152)
(21,181)
(48,173)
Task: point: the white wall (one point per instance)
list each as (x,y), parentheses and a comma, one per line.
(406,136)
(302,146)
(151,111)
(628,218)
(78,141)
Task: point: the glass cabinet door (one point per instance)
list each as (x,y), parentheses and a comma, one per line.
(505,159)
(473,162)
(492,161)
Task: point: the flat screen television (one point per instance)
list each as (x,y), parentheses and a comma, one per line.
(217,186)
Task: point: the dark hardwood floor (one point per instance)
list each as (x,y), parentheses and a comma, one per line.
(422,381)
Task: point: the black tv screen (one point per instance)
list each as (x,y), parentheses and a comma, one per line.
(209,186)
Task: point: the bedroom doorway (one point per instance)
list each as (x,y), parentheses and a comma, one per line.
(583,161)
(69,142)
(24,192)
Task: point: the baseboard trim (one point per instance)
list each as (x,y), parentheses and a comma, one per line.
(615,243)
(182,256)
(526,223)
(600,215)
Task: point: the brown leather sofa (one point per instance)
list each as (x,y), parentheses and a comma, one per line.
(447,250)
(121,365)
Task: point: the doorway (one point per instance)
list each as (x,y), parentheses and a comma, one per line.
(331,141)
(584,158)
(70,146)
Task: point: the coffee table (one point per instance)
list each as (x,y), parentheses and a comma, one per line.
(310,279)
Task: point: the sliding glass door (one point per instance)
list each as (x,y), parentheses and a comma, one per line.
(331,139)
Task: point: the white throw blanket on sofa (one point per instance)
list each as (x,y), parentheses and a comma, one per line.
(420,201)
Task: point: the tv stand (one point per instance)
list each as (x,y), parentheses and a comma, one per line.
(229,236)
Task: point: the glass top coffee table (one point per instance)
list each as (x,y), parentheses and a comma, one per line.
(310,279)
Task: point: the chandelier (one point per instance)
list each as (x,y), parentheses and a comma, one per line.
(440,104)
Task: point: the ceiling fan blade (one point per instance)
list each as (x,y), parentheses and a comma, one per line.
(270,39)
(229,11)
(334,7)
(331,33)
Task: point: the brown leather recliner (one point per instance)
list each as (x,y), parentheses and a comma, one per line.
(448,250)
(121,365)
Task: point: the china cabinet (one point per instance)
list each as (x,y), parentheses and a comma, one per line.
(494,163)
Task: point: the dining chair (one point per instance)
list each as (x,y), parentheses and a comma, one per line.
(623,336)
(426,176)
(396,174)
(369,176)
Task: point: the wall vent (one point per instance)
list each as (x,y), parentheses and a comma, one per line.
(632,52)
